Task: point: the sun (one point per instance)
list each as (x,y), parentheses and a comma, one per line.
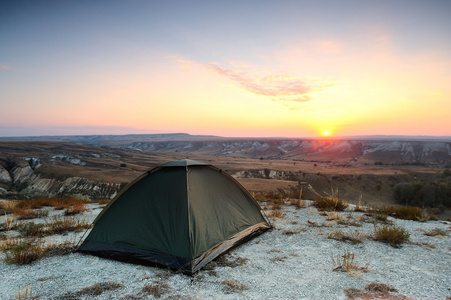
(326,132)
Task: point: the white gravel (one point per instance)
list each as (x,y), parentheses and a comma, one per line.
(279,266)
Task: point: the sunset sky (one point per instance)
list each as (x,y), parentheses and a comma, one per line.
(227,68)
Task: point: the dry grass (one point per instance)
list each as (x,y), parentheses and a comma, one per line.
(347,263)
(356,237)
(232,286)
(156,289)
(393,235)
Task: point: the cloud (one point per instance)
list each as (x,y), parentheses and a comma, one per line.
(281,88)
(4,67)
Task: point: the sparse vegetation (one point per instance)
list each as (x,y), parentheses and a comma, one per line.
(393,235)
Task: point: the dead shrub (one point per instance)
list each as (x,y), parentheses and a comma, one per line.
(393,235)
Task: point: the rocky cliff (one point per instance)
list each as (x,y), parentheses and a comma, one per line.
(21,177)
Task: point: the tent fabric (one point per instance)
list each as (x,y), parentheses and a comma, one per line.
(182,214)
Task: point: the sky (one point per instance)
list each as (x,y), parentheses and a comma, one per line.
(227,68)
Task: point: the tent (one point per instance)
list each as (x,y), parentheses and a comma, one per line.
(182,215)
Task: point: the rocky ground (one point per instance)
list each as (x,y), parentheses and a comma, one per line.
(293,261)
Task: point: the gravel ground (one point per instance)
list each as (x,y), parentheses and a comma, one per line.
(293,261)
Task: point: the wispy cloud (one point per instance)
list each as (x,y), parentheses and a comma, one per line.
(4,67)
(280,87)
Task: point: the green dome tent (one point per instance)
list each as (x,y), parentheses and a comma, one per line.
(182,214)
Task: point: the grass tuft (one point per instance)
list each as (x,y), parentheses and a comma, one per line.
(347,263)
(393,235)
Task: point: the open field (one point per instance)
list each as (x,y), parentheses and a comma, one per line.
(309,255)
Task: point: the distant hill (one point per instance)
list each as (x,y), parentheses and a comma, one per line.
(356,150)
